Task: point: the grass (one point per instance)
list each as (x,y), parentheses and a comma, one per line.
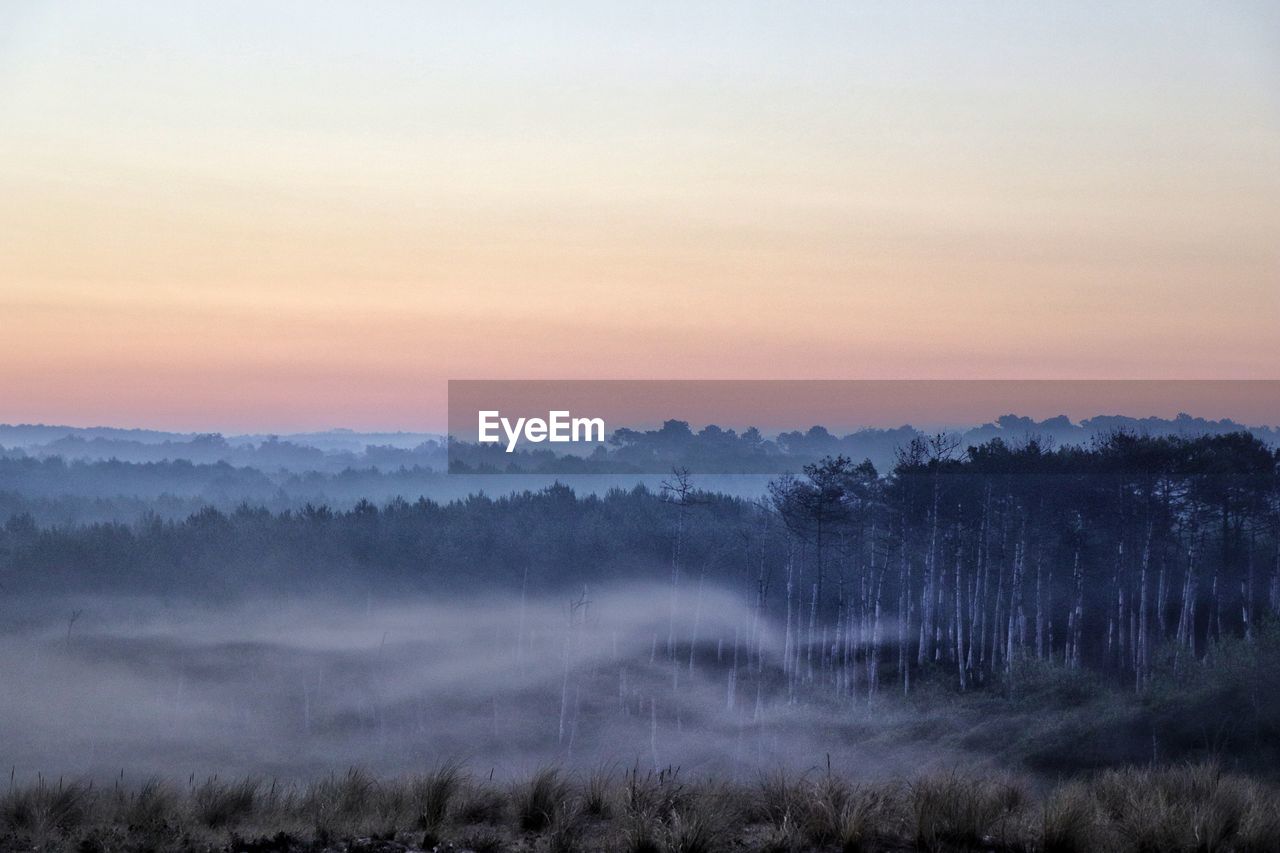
(45,811)
(150,806)
(433,794)
(538,801)
(218,804)
(951,811)
(1185,807)
(827,813)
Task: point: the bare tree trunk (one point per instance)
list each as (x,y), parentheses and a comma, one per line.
(926,597)
(1143,654)
(904,613)
(1162,599)
(997,619)
(1115,621)
(1075,623)
(877,583)
(1186,637)
(977,606)
(959,627)
(786,637)
(1040,614)
(1246,591)
(1048,609)
(813,620)
(762,587)
(839,659)
(1220,570)
(1015,605)
(1275,577)
(939,608)
(1215,603)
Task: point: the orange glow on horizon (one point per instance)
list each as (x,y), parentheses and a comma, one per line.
(324,225)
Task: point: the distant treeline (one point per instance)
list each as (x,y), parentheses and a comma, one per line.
(269,453)
(716,450)
(709,450)
(55,491)
(959,560)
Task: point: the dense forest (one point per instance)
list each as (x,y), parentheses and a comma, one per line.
(959,561)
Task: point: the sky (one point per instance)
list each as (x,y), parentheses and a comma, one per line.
(275,215)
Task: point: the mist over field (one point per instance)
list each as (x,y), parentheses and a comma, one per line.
(300,687)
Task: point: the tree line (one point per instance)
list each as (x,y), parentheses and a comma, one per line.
(1105,556)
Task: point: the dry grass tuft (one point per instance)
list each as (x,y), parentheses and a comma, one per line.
(480,804)
(867,816)
(598,794)
(1193,807)
(1072,821)
(951,810)
(693,831)
(152,806)
(220,804)
(537,801)
(565,832)
(433,793)
(44,810)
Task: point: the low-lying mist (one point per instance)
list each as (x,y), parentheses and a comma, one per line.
(300,687)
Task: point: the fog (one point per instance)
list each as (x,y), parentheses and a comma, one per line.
(301,687)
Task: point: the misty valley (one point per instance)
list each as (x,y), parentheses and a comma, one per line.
(1000,625)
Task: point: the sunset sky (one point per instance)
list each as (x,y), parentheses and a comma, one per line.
(272,215)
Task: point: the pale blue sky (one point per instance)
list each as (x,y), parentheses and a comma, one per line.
(241,196)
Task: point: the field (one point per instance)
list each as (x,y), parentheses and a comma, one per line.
(1190,807)
(584,741)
